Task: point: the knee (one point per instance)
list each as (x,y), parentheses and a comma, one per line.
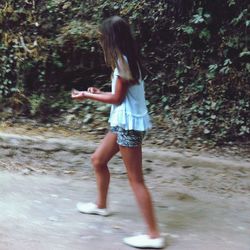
(97,162)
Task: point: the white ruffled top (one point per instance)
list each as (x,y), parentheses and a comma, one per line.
(132,113)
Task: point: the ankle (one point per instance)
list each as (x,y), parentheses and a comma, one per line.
(101,205)
(154,235)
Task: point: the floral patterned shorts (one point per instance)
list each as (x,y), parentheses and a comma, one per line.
(128,138)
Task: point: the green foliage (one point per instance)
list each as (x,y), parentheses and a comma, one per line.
(200,17)
(195,53)
(46,105)
(36,103)
(6,72)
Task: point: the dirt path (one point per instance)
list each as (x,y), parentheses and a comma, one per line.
(202,201)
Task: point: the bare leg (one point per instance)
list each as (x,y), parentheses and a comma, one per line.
(132,158)
(105,151)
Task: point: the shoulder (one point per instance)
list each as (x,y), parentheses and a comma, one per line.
(123,69)
(116,72)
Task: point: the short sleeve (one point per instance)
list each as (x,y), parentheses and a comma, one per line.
(123,69)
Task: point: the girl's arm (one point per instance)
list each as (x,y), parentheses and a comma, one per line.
(105,97)
(95,90)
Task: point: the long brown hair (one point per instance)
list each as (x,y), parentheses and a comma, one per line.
(117,41)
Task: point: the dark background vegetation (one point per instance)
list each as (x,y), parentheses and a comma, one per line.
(195,56)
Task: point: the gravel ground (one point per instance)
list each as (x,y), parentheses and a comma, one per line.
(202,200)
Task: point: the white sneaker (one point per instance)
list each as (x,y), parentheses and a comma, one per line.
(144,241)
(91,208)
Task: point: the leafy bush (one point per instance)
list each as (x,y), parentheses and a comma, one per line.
(196,56)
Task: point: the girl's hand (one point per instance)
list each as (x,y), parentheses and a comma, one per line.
(94,90)
(78,95)
(75,92)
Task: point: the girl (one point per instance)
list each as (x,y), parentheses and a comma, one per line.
(128,122)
